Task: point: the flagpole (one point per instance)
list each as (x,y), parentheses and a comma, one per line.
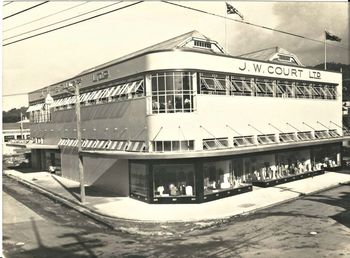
(225,32)
(325,50)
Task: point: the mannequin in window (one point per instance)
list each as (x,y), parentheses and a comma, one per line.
(256,176)
(187,104)
(170,106)
(273,169)
(155,105)
(263,174)
(173,190)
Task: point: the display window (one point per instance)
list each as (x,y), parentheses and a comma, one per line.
(261,167)
(224,175)
(139,179)
(327,157)
(293,162)
(174,180)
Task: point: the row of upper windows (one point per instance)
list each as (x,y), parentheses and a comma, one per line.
(174,91)
(121,91)
(246,141)
(253,86)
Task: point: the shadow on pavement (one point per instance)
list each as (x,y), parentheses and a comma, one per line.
(80,247)
(89,190)
(342,201)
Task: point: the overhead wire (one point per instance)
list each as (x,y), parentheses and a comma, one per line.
(252,24)
(74,23)
(44,17)
(25,10)
(15,94)
(64,20)
(8,3)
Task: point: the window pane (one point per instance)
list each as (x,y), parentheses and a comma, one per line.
(178,103)
(167,146)
(325,157)
(169,83)
(176,145)
(187,81)
(159,146)
(262,167)
(162,104)
(154,84)
(139,179)
(294,162)
(178,83)
(155,104)
(170,103)
(161,83)
(218,176)
(174,180)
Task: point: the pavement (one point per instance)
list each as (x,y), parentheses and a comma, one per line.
(106,205)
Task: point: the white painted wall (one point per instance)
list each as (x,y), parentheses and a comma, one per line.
(214,112)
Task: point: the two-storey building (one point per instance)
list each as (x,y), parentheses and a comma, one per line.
(183,121)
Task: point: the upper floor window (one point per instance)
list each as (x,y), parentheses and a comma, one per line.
(242,85)
(203,44)
(172,92)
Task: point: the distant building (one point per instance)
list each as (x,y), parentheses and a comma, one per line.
(182,121)
(14,133)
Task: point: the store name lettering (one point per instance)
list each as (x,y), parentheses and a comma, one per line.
(278,70)
(100,76)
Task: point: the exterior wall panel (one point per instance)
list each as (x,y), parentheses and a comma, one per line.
(107,173)
(130,114)
(214,112)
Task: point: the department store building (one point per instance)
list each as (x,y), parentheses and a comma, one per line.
(185,122)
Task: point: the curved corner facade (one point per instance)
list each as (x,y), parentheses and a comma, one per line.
(187,125)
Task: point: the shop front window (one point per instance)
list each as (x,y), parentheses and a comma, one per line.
(174,180)
(262,167)
(293,162)
(326,157)
(139,179)
(224,175)
(172,92)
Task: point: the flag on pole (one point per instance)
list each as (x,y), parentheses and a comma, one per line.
(330,36)
(231,10)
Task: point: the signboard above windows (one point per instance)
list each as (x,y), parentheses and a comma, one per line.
(100,76)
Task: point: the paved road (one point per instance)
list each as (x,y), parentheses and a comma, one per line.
(35,226)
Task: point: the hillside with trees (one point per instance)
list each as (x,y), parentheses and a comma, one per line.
(13,115)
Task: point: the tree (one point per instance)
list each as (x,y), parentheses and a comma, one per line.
(13,115)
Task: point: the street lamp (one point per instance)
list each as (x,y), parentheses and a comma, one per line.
(76,84)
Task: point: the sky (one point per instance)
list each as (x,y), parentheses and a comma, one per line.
(35,63)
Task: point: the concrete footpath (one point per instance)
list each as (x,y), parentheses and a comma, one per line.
(102,204)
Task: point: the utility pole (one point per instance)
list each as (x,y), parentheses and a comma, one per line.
(76,84)
(21,124)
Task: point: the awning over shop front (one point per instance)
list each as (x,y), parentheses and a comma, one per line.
(35,107)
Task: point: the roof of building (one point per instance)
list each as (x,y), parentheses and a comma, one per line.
(173,43)
(271,55)
(12,126)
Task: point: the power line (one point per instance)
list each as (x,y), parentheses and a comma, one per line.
(71,24)
(253,24)
(8,3)
(44,17)
(34,6)
(15,94)
(64,20)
